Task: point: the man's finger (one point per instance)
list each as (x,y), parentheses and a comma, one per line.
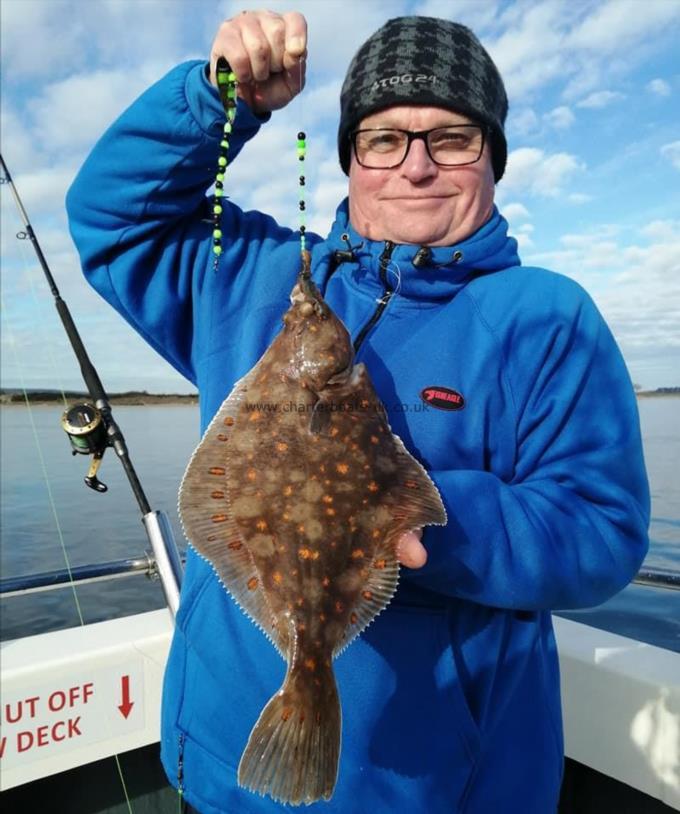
(410,551)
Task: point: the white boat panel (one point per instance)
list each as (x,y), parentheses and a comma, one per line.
(74,696)
(621,704)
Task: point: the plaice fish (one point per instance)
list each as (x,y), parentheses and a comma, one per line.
(297,495)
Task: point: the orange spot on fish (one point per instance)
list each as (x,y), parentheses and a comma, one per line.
(216,470)
(325,582)
(251,474)
(301,627)
(229,421)
(367,595)
(380,564)
(304,553)
(252,583)
(219,518)
(261,525)
(287,712)
(373,486)
(410,484)
(330,511)
(310,664)
(334,431)
(222,437)
(365,403)
(217,494)
(285,516)
(300,601)
(322,468)
(375,534)
(235,545)
(254,416)
(375,439)
(327,498)
(339,607)
(277,576)
(357,554)
(281,446)
(354,618)
(288,490)
(322,617)
(342,468)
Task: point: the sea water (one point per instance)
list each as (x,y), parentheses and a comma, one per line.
(48,517)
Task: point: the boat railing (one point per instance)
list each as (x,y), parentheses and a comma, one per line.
(146,565)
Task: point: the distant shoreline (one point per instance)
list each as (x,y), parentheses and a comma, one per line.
(133,398)
(140,398)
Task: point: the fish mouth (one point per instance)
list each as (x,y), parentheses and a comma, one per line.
(307,298)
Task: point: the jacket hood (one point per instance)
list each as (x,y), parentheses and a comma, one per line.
(440,272)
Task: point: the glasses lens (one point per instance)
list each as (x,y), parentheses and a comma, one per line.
(380,149)
(452,146)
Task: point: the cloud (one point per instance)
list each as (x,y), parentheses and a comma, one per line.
(672,153)
(618,24)
(560,118)
(645,318)
(579,198)
(522,123)
(600,99)
(659,87)
(534,172)
(514,212)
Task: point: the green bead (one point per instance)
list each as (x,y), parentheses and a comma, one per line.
(231,93)
(217,233)
(222,161)
(301,152)
(217,250)
(224,143)
(231,76)
(217,209)
(227,127)
(301,142)
(220,176)
(219,193)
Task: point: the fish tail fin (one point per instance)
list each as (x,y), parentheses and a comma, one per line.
(293,751)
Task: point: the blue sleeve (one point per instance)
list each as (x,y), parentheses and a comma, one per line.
(569,529)
(138,215)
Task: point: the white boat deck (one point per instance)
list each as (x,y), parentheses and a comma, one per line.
(75,696)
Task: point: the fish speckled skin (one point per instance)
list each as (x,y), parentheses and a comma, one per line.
(297,495)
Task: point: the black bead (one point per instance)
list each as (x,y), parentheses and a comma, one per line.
(302,230)
(302,135)
(302,206)
(217,241)
(302,180)
(301,158)
(219,185)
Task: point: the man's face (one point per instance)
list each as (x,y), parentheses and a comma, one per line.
(420,202)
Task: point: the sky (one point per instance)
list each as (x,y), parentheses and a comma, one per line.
(592,187)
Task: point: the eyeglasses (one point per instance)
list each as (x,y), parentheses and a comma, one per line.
(453,146)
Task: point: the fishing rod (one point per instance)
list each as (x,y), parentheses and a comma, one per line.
(92,429)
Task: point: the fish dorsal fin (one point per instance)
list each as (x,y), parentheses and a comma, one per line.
(414,503)
(204,509)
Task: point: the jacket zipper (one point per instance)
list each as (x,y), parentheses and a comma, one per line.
(382,302)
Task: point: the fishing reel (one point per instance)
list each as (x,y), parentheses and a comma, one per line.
(86,429)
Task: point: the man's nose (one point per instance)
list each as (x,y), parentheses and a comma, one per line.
(418,165)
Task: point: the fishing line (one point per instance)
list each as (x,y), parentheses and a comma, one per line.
(46,477)
(28,273)
(41,457)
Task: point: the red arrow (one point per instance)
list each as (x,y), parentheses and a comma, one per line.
(127,705)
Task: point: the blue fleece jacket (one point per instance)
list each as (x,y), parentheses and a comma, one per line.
(451,697)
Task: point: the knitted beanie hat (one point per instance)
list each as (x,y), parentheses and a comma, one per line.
(424,61)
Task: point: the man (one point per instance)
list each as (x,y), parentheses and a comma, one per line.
(451,697)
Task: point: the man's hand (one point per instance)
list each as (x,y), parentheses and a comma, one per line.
(267,53)
(410,551)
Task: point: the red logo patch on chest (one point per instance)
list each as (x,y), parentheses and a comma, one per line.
(443,398)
